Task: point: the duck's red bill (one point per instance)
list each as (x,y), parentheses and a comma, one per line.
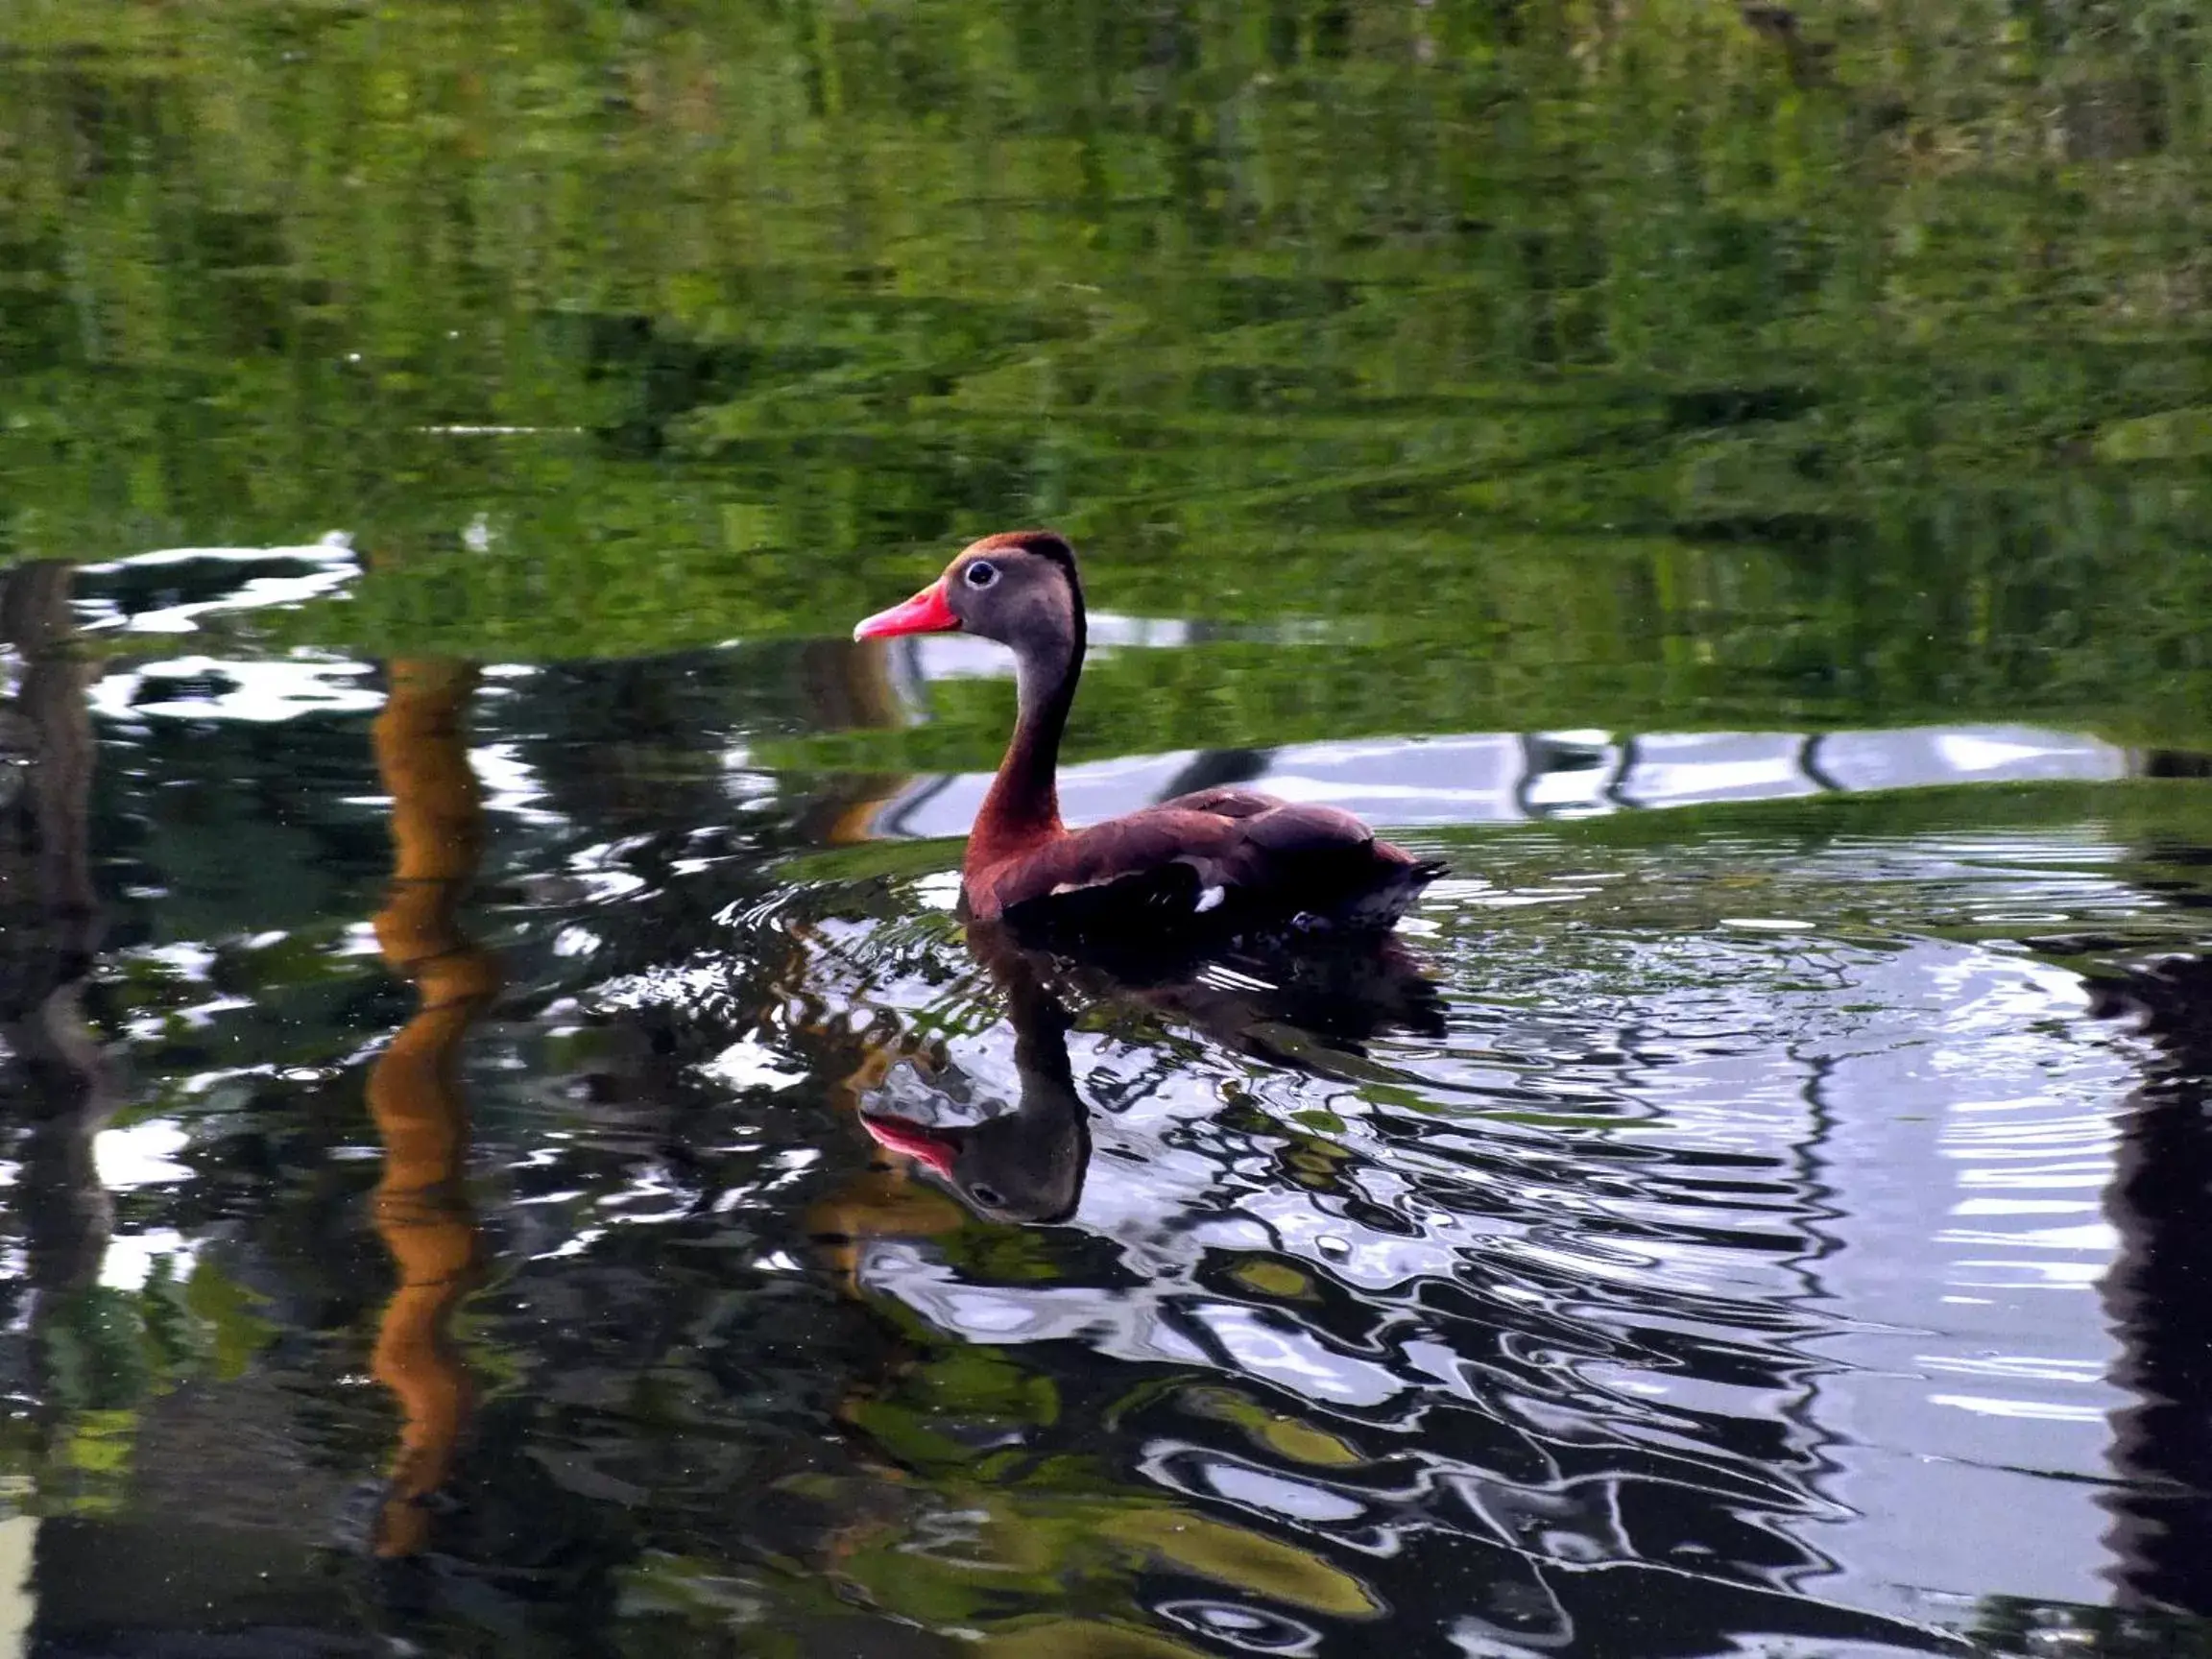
(912,1140)
(927,612)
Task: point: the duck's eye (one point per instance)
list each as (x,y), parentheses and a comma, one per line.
(987,1196)
(982,574)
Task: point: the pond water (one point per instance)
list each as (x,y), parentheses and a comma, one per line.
(509,1146)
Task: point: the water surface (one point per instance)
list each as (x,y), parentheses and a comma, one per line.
(482,1011)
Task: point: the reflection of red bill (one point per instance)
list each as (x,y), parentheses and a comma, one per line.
(912,1140)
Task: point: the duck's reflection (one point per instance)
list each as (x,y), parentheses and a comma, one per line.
(1025,1164)
(421,1209)
(1314,1009)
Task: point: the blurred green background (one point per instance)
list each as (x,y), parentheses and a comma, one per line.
(1625,364)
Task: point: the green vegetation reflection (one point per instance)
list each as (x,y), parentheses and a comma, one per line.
(1856,363)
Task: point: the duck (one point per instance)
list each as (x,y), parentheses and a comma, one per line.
(1218,863)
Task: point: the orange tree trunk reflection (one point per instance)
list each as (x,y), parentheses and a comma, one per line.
(422,1209)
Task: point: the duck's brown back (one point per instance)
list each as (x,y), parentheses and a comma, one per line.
(1250,856)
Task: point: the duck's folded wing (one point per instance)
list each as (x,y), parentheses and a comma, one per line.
(1194,848)
(1224,800)
(1145,842)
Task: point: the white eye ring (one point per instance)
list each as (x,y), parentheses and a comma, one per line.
(981,573)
